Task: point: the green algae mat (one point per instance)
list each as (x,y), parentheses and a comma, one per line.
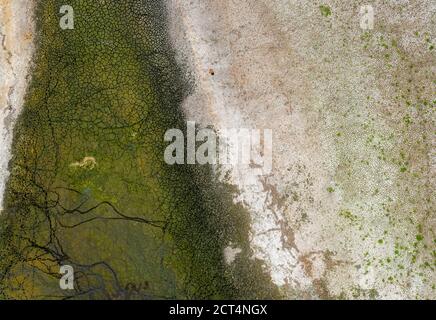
(89,187)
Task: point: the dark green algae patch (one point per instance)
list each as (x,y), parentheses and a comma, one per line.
(89,187)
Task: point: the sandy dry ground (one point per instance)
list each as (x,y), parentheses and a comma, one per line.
(349,208)
(16,49)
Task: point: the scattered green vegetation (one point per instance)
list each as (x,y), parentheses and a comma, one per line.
(348,215)
(325,10)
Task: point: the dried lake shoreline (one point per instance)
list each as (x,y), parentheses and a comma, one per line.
(348,211)
(17,29)
(350,111)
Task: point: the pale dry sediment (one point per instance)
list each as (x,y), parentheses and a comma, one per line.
(335,217)
(16,38)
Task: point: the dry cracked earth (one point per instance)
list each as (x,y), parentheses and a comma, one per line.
(348,209)
(349,206)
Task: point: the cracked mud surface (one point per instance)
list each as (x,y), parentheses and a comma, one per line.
(347,212)
(349,208)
